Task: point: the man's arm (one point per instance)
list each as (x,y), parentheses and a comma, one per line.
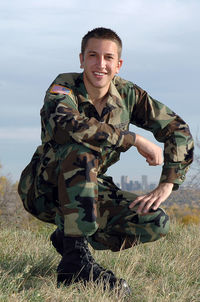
(63,124)
(152,152)
(171,130)
(168,128)
(154,157)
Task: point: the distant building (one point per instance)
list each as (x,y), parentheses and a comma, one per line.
(144,182)
(152,186)
(124,182)
(131,185)
(137,186)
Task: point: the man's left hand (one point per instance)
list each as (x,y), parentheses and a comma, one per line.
(153,199)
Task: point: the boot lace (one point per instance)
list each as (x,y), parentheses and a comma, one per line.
(91,266)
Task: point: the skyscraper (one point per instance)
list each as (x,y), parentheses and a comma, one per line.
(124,181)
(144,182)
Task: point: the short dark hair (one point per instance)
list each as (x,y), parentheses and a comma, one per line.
(102,33)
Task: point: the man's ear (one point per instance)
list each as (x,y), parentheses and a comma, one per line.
(120,62)
(81,60)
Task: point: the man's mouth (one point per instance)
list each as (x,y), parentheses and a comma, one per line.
(99,73)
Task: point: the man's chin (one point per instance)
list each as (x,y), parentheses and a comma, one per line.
(98,85)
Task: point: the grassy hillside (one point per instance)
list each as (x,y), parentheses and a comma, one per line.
(167,270)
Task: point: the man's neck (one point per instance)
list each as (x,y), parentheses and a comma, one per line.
(96,94)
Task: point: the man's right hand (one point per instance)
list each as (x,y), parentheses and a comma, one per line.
(152,152)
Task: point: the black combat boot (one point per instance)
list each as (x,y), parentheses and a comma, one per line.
(57,240)
(77,264)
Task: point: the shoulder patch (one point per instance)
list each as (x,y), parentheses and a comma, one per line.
(60,89)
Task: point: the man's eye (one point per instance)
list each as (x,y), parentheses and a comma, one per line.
(109,57)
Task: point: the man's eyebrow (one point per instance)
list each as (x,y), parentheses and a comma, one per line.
(108,53)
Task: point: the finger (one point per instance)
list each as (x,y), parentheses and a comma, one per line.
(151,161)
(143,204)
(148,206)
(156,204)
(160,159)
(136,201)
(141,207)
(155,161)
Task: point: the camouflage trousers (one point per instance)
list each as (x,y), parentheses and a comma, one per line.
(84,202)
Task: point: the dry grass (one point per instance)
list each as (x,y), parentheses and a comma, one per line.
(164,271)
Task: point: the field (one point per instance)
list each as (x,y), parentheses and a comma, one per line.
(167,270)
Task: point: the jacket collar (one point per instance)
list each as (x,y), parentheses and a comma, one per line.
(114,98)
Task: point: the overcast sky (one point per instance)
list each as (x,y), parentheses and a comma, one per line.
(41,38)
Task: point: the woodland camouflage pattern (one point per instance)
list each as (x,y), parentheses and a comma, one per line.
(65,182)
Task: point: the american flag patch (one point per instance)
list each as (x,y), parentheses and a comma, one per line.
(60,89)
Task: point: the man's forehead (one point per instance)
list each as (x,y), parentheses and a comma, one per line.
(96,45)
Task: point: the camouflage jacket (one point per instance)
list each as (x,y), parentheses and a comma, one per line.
(69,116)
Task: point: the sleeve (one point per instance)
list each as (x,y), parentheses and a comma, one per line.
(168,128)
(64,124)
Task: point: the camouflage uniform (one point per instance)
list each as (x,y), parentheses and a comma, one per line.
(65,182)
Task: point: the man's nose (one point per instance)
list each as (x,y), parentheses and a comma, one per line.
(101,62)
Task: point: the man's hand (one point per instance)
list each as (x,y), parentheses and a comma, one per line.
(153,199)
(152,152)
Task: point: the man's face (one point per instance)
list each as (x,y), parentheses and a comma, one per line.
(100,62)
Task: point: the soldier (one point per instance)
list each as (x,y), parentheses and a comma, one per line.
(85,126)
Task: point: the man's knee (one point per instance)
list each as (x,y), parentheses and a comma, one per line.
(152,226)
(160,224)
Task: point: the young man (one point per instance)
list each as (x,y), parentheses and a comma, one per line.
(85,120)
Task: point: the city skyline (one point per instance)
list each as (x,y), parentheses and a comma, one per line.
(127,184)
